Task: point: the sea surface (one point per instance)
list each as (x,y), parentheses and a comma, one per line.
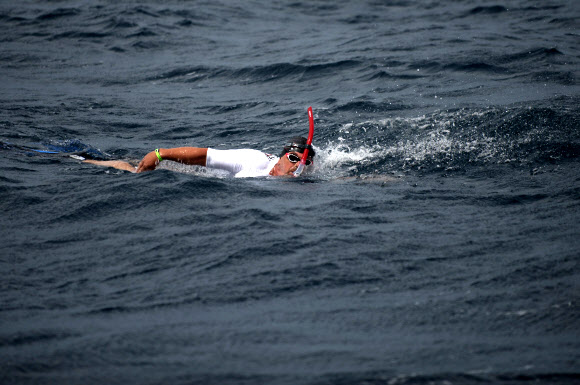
(436,240)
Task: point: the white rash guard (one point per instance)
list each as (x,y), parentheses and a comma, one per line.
(243,163)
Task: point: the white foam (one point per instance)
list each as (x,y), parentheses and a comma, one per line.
(423,138)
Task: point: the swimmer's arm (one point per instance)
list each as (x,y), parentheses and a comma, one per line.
(186,155)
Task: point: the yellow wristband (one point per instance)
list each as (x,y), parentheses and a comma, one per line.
(158,156)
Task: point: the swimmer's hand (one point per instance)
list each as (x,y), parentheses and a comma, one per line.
(148,163)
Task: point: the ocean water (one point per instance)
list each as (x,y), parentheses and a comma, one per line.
(435,241)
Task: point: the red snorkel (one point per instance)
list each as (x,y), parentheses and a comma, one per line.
(308,143)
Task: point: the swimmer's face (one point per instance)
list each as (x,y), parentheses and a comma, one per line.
(286,164)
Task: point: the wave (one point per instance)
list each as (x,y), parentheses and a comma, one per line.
(512,63)
(59,13)
(368,70)
(498,9)
(78,35)
(35,336)
(372,107)
(467,378)
(104,25)
(258,73)
(490,10)
(452,141)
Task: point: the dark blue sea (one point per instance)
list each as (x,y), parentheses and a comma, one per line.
(435,241)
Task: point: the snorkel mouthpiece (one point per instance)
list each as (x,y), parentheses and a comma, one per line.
(299,169)
(308,144)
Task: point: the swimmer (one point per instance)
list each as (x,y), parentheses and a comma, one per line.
(238,163)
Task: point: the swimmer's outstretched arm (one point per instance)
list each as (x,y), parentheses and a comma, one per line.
(186,155)
(118,164)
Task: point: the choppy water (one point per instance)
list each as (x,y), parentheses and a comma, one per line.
(436,241)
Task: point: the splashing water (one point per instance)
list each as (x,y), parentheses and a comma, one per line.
(451,141)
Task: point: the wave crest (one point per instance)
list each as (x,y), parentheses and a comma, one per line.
(451,141)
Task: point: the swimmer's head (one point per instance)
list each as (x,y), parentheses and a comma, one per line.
(297,144)
(290,157)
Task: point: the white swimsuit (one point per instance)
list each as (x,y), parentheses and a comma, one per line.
(243,163)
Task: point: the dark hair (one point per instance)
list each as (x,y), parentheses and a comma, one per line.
(298,144)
